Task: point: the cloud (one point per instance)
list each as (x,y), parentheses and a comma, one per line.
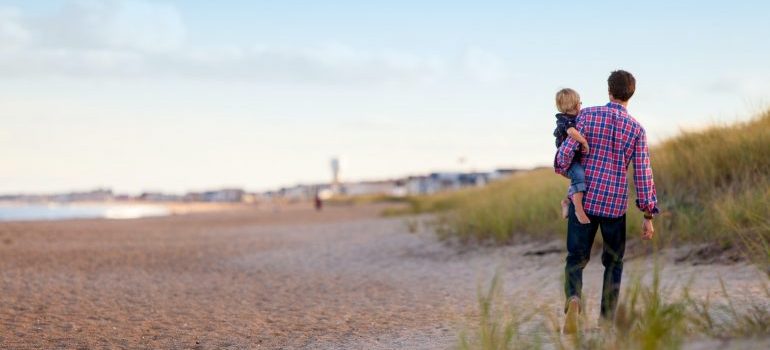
(89,38)
(114,24)
(13,34)
(143,39)
(727,85)
(485,66)
(337,63)
(744,86)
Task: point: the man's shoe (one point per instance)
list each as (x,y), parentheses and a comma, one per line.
(572,318)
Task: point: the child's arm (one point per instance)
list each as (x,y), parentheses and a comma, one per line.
(573,133)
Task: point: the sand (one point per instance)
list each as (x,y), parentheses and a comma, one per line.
(344,278)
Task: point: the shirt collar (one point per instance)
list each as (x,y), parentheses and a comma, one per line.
(616,106)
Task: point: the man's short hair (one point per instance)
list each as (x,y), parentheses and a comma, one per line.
(567,100)
(621,85)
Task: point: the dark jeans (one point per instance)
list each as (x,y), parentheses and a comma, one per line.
(580,238)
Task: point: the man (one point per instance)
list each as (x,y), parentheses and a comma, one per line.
(616,140)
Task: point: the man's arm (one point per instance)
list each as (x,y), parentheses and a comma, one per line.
(646,197)
(564,155)
(573,133)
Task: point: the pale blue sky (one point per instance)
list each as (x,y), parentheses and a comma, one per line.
(186,95)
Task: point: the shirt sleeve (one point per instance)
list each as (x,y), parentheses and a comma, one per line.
(646,197)
(567,149)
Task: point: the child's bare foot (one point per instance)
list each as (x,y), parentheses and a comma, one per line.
(565,208)
(582,217)
(577,199)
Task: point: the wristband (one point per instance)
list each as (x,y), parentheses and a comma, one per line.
(648,216)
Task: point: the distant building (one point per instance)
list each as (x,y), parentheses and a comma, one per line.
(193,197)
(420,185)
(473,179)
(158,197)
(335,184)
(227,195)
(387,187)
(502,173)
(301,192)
(412,185)
(97,195)
(232,195)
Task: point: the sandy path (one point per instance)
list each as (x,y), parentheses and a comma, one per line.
(343,278)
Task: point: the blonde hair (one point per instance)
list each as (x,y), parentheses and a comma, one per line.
(567,100)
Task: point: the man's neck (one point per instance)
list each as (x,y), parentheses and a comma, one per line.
(622,103)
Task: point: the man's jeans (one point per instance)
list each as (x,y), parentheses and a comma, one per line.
(580,238)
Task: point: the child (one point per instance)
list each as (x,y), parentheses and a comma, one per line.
(568,103)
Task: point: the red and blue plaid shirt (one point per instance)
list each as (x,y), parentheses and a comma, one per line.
(616,139)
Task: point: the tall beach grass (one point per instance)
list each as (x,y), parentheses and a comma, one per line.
(713,187)
(649,317)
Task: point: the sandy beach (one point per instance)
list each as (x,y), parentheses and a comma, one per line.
(343,278)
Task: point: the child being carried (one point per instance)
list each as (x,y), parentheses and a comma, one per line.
(568,103)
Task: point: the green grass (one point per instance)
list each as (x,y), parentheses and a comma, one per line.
(430,204)
(713,186)
(498,325)
(363,199)
(648,318)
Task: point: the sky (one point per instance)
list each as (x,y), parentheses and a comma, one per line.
(187,95)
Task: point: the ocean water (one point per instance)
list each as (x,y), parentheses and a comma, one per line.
(35,212)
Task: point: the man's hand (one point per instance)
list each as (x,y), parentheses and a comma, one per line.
(647,230)
(586,149)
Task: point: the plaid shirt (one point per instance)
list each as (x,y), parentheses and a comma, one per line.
(616,139)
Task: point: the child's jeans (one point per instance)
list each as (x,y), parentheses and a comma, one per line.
(577,176)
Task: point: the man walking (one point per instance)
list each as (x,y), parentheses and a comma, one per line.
(616,140)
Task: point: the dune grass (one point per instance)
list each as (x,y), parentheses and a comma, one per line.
(713,186)
(363,199)
(648,318)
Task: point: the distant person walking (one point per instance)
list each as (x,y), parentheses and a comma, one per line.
(616,140)
(318,203)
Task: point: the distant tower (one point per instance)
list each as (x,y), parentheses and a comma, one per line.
(335,163)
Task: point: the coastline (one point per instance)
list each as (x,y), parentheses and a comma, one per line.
(109,210)
(291,277)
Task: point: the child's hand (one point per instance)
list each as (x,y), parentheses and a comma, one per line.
(586,149)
